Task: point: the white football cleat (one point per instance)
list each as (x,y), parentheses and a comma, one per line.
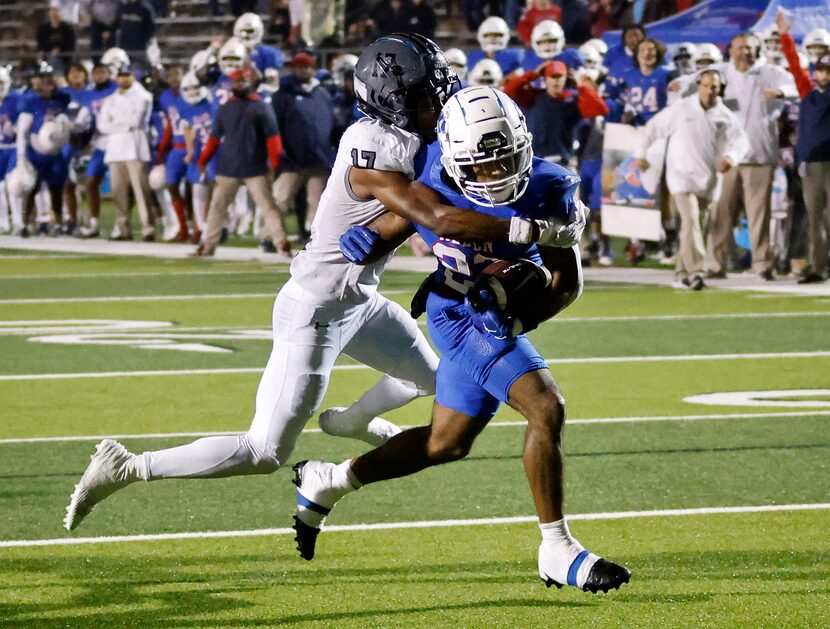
(108,471)
(337,422)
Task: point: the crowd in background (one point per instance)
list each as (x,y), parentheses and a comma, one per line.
(763,109)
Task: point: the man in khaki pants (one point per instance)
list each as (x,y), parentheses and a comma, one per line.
(125,121)
(754,91)
(704,135)
(247,131)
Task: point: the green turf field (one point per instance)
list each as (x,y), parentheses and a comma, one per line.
(625,357)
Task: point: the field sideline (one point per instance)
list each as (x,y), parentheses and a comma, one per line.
(697,454)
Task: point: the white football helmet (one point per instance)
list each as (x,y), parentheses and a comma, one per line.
(232,55)
(115,59)
(486,72)
(248,29)
(192,90)
(485,145)
(158,178)
(53,134)
(547,39)
(458,60)
(493,34)
(5,82)
(816,43)
(705,55)
(21,180)
(681,56)
(593,60)
(600,46)
(343,65)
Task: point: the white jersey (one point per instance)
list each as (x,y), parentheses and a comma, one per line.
(320,268)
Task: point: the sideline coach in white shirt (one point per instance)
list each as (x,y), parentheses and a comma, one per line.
(754,91)
(125,120)
(705,138)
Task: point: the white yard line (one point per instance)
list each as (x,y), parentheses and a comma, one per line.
(570,422)
(550,361)
(158,273)
(386,526)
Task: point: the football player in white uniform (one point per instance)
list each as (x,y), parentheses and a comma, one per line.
(330,305)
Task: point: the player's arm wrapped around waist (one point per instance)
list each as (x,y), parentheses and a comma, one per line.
(552,231)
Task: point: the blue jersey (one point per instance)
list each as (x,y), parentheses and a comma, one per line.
(74,94)
(93,98)
(9,108)
(199,117)
(550,193)
(508,59)
(264,57)
(646,95)
(171,104)
(222,90)
(43,109)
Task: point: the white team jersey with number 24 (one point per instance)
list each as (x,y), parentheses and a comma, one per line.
(320,268)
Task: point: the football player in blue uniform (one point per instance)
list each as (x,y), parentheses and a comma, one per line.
(77,79)
(92,99)
(493,36)
(9,108)
(173,149)
(485,163)
(642,90)
(197,119)
(249,29)
(43,128)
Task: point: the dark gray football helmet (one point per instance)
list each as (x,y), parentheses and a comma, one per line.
(396,72)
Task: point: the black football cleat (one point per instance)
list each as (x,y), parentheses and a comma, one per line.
(306,538)
(606,575)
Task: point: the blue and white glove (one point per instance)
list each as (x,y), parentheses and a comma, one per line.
(358,243)
(488,317)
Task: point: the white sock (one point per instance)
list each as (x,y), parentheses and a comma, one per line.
(16,206)
(4,208)
(560,552)
(200,195)
(166,202)
(341,482)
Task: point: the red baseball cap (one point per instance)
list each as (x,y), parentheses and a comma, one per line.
(303,59)
(555,68)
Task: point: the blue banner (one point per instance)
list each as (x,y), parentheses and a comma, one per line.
(804,15)
(716,21)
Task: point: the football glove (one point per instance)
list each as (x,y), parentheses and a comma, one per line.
(487,316)
(358,243)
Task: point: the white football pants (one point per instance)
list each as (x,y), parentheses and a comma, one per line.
(308,338)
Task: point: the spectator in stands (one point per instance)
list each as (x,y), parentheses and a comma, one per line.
(599,17)
(279,21)
(755,92)
(136,27)
(576,21)
(535,12)
(103,26)
(705,138)
(390,16)
(306,115)
(554,112)
(56,38)
(620,58)
(125,120)
(247,131)
(238,7)
(70,10)
(422,18)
